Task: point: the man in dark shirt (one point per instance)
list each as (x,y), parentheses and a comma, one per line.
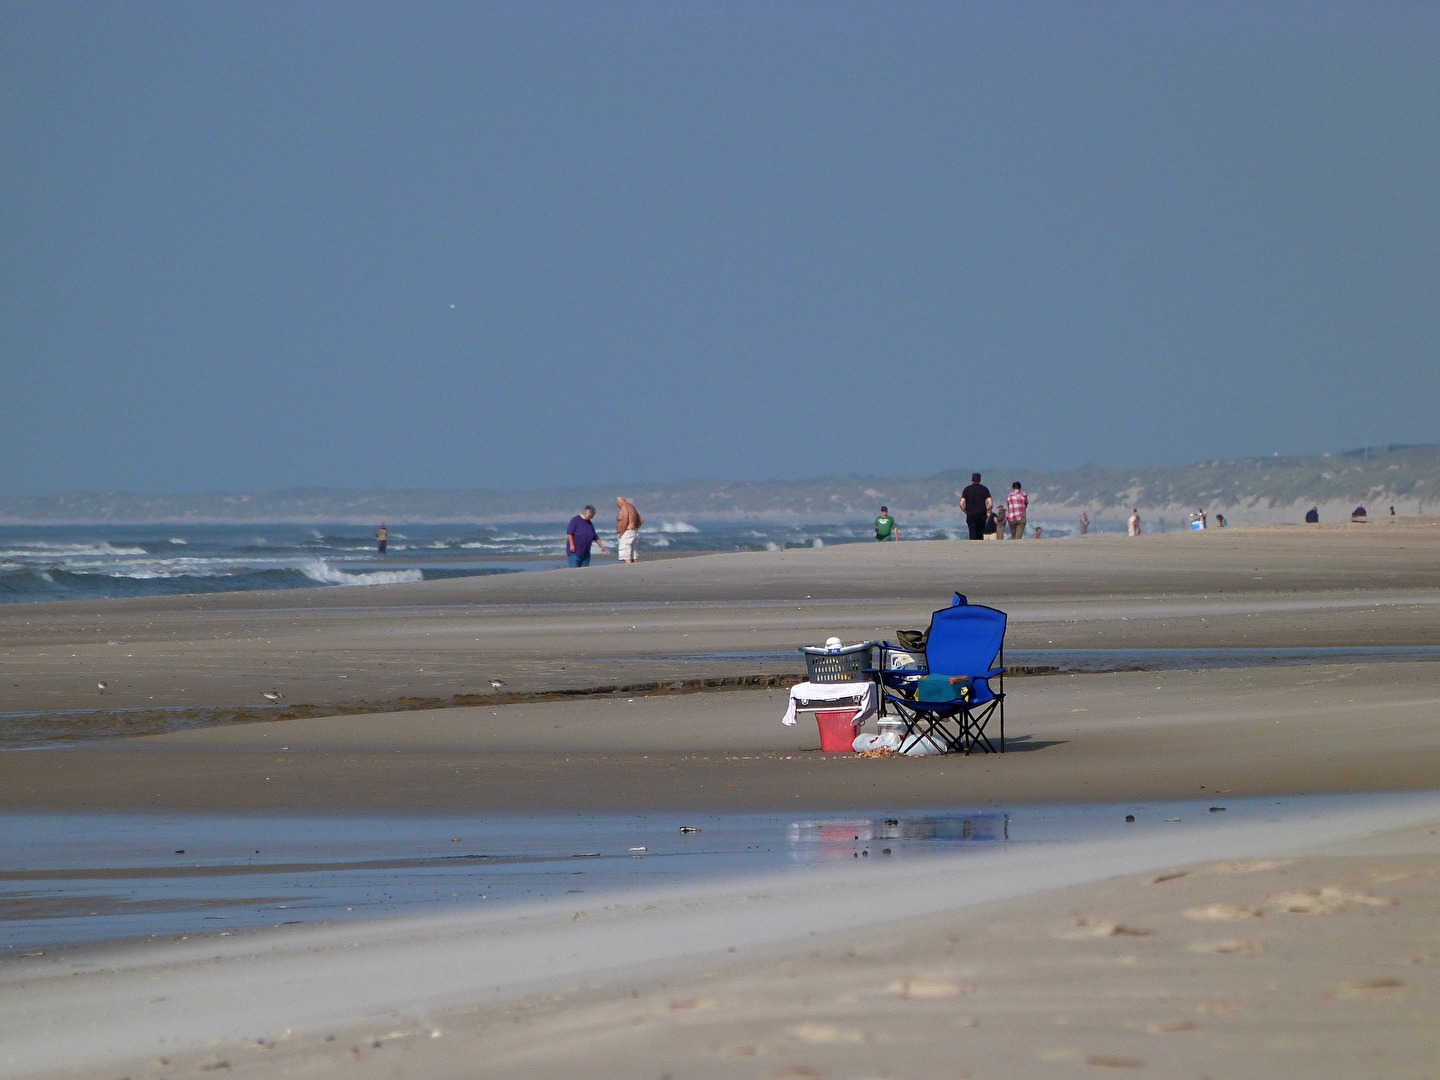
(976,504)
(579,536)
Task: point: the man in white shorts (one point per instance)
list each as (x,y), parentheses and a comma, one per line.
(627,528)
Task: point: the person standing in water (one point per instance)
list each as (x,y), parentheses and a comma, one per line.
(382,537)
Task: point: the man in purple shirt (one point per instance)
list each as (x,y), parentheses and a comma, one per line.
(579,536)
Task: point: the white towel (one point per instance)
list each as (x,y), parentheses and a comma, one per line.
(808,691)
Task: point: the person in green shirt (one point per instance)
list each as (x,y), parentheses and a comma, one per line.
(885,527)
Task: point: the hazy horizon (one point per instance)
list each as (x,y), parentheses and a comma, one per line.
(1262,489)
(991,473)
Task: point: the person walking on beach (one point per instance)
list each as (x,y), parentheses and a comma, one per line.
(382,537)
(976,504)
(579,536)
(627,528)
(1135,522)
(1017,506)
(885,526)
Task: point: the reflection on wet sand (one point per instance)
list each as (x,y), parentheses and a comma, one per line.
(75,879)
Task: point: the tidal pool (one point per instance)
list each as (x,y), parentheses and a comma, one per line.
(77,879)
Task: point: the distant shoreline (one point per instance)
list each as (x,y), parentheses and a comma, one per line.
(1267,490)
(1175,517)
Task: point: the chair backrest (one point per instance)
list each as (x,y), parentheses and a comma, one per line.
(965,639)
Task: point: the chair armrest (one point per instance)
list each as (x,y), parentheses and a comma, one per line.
(889,647)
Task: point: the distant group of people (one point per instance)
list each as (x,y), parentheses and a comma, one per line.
(985,517)
(580,535)
(1312,516)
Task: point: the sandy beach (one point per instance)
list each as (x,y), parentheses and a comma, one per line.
(1301,946)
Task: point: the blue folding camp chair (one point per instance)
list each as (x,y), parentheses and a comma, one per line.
(950,700)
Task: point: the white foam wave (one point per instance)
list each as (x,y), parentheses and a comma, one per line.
(165,568)
(178,540)
(321,571)
(43,549)
(518,546)
(677,527)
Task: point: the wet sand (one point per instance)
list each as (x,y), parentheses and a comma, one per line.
(1070,738)
(1005,990)
(606,624)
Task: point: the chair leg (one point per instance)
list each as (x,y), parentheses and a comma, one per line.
(924,726)
(973,729)
(961,731)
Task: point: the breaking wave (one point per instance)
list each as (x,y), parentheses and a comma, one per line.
(323,572)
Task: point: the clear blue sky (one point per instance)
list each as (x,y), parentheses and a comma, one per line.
(266,245)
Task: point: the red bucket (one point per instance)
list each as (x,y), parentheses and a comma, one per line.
(837,730)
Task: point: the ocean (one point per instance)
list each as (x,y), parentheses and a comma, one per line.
(90,562)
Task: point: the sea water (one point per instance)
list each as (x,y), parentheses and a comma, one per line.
(76,879)
(84,562)
(79,562)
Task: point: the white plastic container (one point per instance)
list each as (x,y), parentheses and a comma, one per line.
(891,730)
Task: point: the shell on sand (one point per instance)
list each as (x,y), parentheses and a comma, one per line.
(923,988)
(1325,901)
(1083,929)
(1224,948)
(1222,912)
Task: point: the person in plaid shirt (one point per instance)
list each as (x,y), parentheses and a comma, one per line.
(1016,504)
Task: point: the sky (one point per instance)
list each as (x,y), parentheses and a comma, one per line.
(266,245)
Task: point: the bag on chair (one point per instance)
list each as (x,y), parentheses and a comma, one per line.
(943,688)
